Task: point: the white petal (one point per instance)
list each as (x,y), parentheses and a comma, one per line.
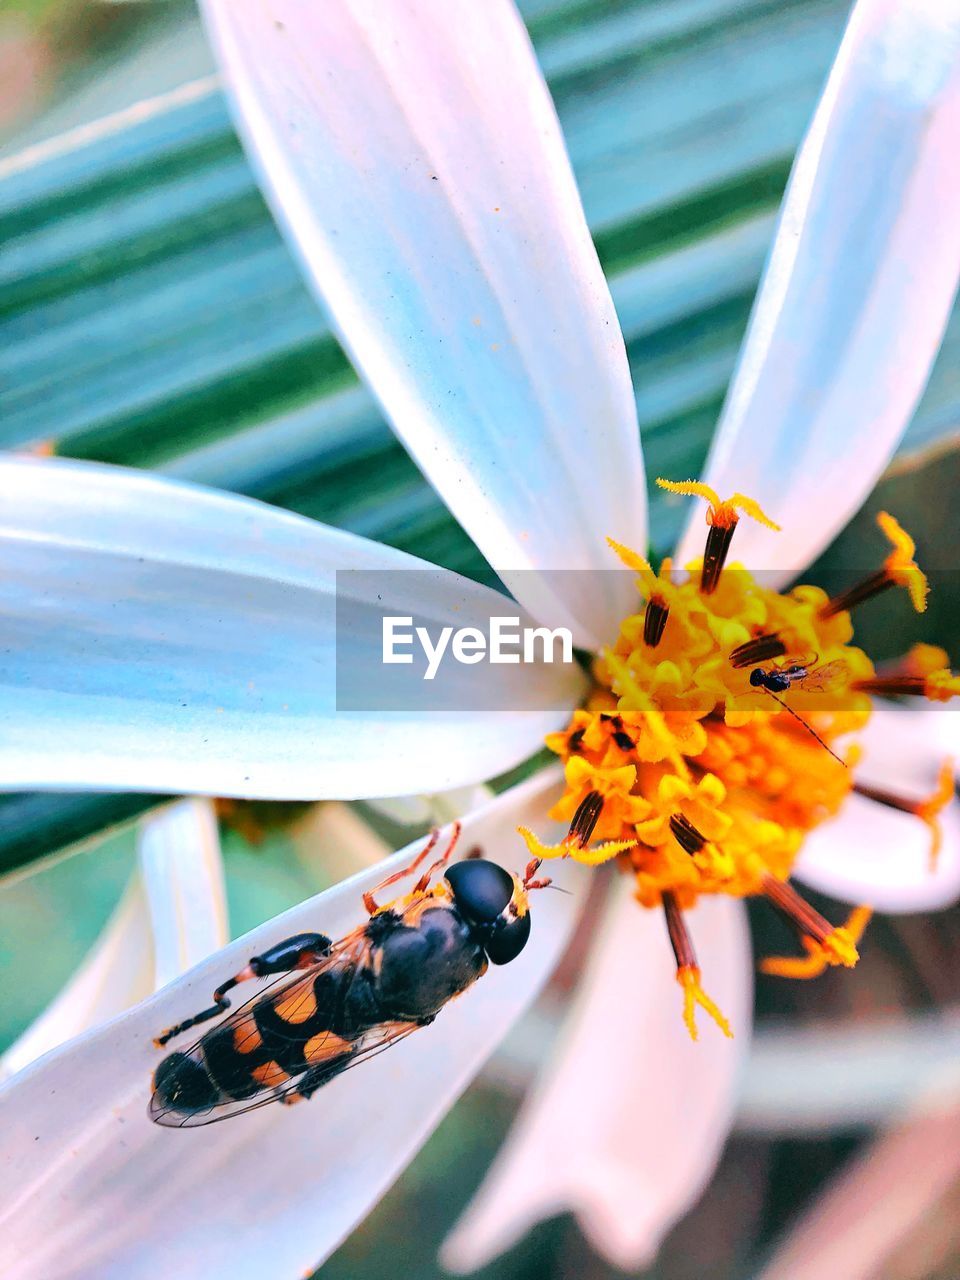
(413,156)
(856,1073)
(876,855)
(629,1120)
(889,1210)
(336,839)
(443,806)
(182,871)
(116,973)
(857,291)
(161,637)
(93,1191)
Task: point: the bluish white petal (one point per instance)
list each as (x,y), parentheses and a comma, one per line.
(161,637)
(413,156)
(91,1189)
(182,871)
(857,290)
(115,974)
(873,854)
(629,1119)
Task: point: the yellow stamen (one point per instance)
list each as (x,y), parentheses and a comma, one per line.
(900,565)
(929,810)
(693,994)
(567,849)
(719,512)
(941,686)
(839,947)
(637,563)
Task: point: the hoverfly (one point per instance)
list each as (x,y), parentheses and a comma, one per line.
(346,1000)
(800,675)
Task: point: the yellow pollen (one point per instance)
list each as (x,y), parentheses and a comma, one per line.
(838,948)
(693,994)
(722,513)
(900,565)
(637,563)
(589,857)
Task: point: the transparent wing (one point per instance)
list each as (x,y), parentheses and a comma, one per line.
(827,676)
(329,1065)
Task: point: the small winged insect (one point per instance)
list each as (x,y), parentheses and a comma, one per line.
(799,675)
(340,1003)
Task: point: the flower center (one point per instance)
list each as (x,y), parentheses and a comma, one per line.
(705,752)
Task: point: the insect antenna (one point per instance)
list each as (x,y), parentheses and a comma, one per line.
(809,728)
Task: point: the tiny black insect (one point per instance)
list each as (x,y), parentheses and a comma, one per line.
(350,999)
(777,680)
(799,675)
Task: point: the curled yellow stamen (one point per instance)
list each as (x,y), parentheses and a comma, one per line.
(719,512)
(900,565)
(722,518)
(693,994)
(641,567)
(568,849)
(929,810)
(838,947)
(899,570)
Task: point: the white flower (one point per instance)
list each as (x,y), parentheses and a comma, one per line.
(164,637)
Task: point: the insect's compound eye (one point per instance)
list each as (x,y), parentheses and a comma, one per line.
(756,677)
(481,889)
(506,942)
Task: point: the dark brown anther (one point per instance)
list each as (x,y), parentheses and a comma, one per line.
(654,620)
(784,897)
(686,834)
(575,741)
(887,798)
(865,590)
(893,686)
(760,649)
(585,819)
(680,938)
(719,537)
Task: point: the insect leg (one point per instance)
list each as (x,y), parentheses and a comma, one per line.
(298,952)
(441,861)
(809,727)
(369,901)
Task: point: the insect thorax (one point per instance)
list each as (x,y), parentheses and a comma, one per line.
(426,962)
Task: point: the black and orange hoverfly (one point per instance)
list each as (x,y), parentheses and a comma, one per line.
(348,1000)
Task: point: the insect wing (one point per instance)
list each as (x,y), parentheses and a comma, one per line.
(827,676)
(366,1046)
(294,992)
